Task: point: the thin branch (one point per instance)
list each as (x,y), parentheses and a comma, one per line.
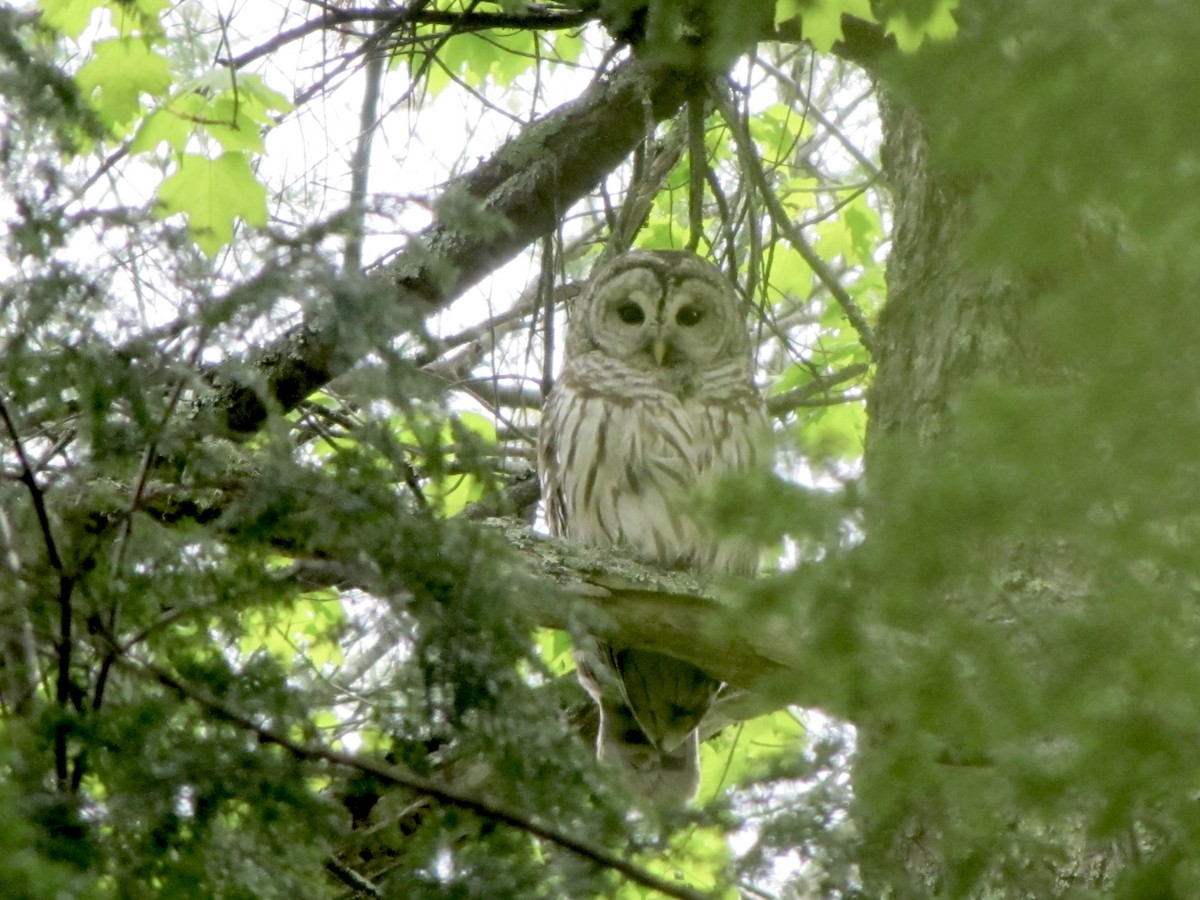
(500,324)
(501,392)
(66,586)
(643,188)
(782,221)
(27,477)
(811,109)
(394,17)
(360,162)
(782,404)
(20,669)
(352,879)
(398,777)
(546,295)
(697,165)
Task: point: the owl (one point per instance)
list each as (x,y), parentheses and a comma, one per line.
(656,402)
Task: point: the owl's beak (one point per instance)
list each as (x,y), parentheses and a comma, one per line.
(659,347)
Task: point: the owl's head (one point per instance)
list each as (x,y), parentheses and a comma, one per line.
(660,309)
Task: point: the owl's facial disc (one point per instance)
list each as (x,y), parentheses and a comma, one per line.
(662,320)
(678,333)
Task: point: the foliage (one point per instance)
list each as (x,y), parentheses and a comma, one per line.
(185,658)
(1058,520)
(292,662)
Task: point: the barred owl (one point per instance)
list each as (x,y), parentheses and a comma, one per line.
(656,401)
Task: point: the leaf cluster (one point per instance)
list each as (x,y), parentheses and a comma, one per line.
(187,665)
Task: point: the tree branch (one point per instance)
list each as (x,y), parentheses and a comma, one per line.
(414,14)
(484,219)
(398,777)
(617,598)
(610,595)
(66,587)
(783,222)
(782,404)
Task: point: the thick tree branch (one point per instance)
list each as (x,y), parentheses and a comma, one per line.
(484,219)
(609,595)
(617,598)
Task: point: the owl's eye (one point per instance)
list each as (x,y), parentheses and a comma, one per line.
(631,313)
(689,316)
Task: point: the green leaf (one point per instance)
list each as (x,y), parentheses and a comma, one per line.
(451,494)
(696,856)
(478,55)
(212,193)
(480,425)
(778,130)
(230,112)
(556,650)
(822,19)
(939,26)
(751,749)
(854,234)
(232,128)
(835,432)
(158,127)
(567,46)
(120,71)
(788,9)
(864,228)
(257,96)
(249,92)
(168,124)
(69,17)
(142,17)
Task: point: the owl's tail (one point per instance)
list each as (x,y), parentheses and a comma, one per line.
(666,776)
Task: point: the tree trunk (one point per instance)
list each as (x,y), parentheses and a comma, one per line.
(949,324)
(1001,510)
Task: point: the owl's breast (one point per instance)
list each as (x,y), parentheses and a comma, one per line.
(628,469)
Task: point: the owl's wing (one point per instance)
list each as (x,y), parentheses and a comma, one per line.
(550,465)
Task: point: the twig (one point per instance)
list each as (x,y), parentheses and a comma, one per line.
(783,222)
(360,163)
(546,297)
(393,17)
(863,160)
(352,879)
(28,478)
(398,777)
(782,404)
(697,164)
(21,674)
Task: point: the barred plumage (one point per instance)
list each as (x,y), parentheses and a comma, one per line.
(656,402)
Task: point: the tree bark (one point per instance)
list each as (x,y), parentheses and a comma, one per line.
(953,323)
